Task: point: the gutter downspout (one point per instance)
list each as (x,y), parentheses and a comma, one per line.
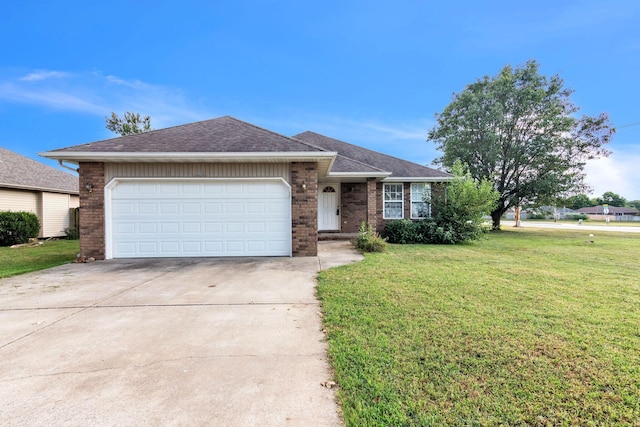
(76,170)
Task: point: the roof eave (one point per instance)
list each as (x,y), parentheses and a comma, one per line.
(419,179)
(42,189)
(359,174)
(88,156)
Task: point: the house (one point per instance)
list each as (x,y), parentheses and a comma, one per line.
(27,185)
(614,213)
(224,187)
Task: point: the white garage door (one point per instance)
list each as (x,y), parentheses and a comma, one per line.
(195,218)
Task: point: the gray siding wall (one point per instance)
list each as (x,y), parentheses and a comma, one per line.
(196,170)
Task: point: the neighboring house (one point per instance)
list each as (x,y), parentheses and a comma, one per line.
(549,211)
(614,213)
(27,185)
(224,187)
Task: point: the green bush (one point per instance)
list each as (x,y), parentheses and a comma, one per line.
(72,233)
(448,228)
(370,241)
(537,215)
(459,214)
(401,231)
(18,227)
(576,217)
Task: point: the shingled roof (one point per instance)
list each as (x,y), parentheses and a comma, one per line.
(382,162)
(17,171)
(221,135)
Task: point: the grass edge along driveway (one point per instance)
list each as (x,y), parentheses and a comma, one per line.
(49,254)
(527,327)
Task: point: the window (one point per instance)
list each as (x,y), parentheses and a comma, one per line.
(420,196)
(393,201)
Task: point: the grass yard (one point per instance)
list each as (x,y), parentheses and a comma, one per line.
(49,254)
(528,327)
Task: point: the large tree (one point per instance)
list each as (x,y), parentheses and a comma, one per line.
(579,201)
(129,124)
(519,130)
(612,199)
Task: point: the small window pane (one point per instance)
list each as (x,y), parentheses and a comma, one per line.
(420,207)
(393,201)
(393,210)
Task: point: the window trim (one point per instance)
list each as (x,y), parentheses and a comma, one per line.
(426,189)
(385,201)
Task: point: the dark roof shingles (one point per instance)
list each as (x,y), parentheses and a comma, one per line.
(221,135)
(384,162)
(17,171)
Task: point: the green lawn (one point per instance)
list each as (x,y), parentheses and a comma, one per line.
(49,254)
(528,327)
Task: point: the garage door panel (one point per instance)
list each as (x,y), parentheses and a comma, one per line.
(234,227)
(256,227)
(191,208)
(234,247)
(212,207)
(169,228)
(192,247)
(278,227)
(160,219)
(169,208)
(192,227)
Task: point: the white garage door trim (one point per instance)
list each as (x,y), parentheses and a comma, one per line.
(251,247)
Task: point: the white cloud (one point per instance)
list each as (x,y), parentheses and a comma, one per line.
(97,94)
(43,75)
(615,173)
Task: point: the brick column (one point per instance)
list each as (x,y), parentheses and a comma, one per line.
(379,208)
(372,205)
(92,241)
(304,209)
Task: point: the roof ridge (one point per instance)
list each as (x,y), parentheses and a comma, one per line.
(367,149)
(275,133)
(362,163)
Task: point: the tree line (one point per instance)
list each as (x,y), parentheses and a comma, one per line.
(608,198)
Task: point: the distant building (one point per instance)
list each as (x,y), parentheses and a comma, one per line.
(27,185)
(615,213)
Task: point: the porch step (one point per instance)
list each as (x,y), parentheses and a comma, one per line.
(336,236)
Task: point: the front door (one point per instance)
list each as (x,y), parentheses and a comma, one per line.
(328,208)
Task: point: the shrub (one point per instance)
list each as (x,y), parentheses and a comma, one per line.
(370,241)
(400,231)
(18,227)
(537,215)
(72,233)
(576,217)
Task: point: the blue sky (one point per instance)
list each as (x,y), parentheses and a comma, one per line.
(372,73)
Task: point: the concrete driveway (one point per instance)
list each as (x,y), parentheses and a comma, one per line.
(208,341)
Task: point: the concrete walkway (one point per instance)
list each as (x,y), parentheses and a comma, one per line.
(171,342)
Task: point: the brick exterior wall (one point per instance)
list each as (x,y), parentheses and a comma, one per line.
(353,206)
(304,209)
(379,208)
(437,193)
(372,195)
(92,242)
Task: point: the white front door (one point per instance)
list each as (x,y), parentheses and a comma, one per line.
(328,207)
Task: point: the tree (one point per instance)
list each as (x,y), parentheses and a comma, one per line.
(130,124)
(518,130)
(634,204)
(466,201)
(579,201)
(612,199)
